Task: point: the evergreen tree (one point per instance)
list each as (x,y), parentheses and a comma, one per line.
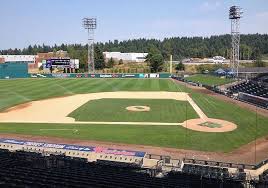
(121,62)
(110,63)
(155,60)
(180,66)
(99,59)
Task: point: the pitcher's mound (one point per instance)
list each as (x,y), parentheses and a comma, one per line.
(138,108)
(209,125)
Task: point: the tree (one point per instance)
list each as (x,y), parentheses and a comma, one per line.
(180,47)
(155,60)
(259,63)
(180,66)
(120,62)
(99,59)
(258,58)
(110,63)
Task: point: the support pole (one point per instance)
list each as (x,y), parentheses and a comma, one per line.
(170,64)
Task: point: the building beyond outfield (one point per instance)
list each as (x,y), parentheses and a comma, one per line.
(126,57)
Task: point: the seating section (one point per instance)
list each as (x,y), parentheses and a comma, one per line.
(24,169)
(250,88)
(206,171)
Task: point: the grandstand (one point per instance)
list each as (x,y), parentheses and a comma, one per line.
(254,91)
(21,168)
(40,164)
(250,88)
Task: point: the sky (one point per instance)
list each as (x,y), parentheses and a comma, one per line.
(29,22)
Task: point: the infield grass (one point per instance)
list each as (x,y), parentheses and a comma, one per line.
(161,110)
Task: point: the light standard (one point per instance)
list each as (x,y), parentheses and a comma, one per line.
(90,24)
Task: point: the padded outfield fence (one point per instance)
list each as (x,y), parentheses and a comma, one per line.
(20,70)
(13,70)
(92,75)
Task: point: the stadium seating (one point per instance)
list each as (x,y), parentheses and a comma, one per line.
(250,88)
(24,169)
(254,92)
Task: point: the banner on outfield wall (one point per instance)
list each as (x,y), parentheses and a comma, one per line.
(87,75)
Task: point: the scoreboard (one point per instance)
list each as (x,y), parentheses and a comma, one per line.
(59,63)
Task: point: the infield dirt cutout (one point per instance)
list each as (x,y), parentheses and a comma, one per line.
(56,110)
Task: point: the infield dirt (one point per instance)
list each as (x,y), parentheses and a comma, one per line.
(56,110)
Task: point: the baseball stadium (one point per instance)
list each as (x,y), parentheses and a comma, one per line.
(112,119)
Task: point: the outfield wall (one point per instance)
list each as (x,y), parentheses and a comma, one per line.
(13,70)
(88,75)
(20,70)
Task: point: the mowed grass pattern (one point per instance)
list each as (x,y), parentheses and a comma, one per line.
(19,91)
(209,79)
(170,111)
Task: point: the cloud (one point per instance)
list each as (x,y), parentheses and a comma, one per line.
(210,6)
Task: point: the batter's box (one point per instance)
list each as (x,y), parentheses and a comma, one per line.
(210,124)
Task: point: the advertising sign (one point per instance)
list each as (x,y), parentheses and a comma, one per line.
(61,75)
(154,75)
(75,147)
(128,75)
(141,75)
(105,76)
(76,63)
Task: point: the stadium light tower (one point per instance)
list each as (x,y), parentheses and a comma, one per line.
(235,13)
(90,24)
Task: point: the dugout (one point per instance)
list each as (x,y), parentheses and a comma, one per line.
(13,70)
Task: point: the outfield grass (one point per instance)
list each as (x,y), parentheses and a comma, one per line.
(171,111)
(209,79)
(18,91)
(166,136)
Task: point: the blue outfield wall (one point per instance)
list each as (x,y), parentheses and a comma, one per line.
(87,75)
(13,70)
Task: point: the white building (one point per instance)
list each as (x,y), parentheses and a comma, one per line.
(19,58)
(127,57)
(217,60)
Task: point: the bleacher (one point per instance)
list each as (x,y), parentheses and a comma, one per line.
(25,169)
(254,92)
(250,88)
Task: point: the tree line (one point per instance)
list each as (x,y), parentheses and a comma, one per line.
(252,45)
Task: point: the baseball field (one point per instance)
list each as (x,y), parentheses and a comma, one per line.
(150,112)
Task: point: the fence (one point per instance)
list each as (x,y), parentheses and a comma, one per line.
(13,70)
(88,75)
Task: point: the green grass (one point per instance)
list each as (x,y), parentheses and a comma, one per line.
(18,91)
(161,136)
(209,79)
(171,111)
